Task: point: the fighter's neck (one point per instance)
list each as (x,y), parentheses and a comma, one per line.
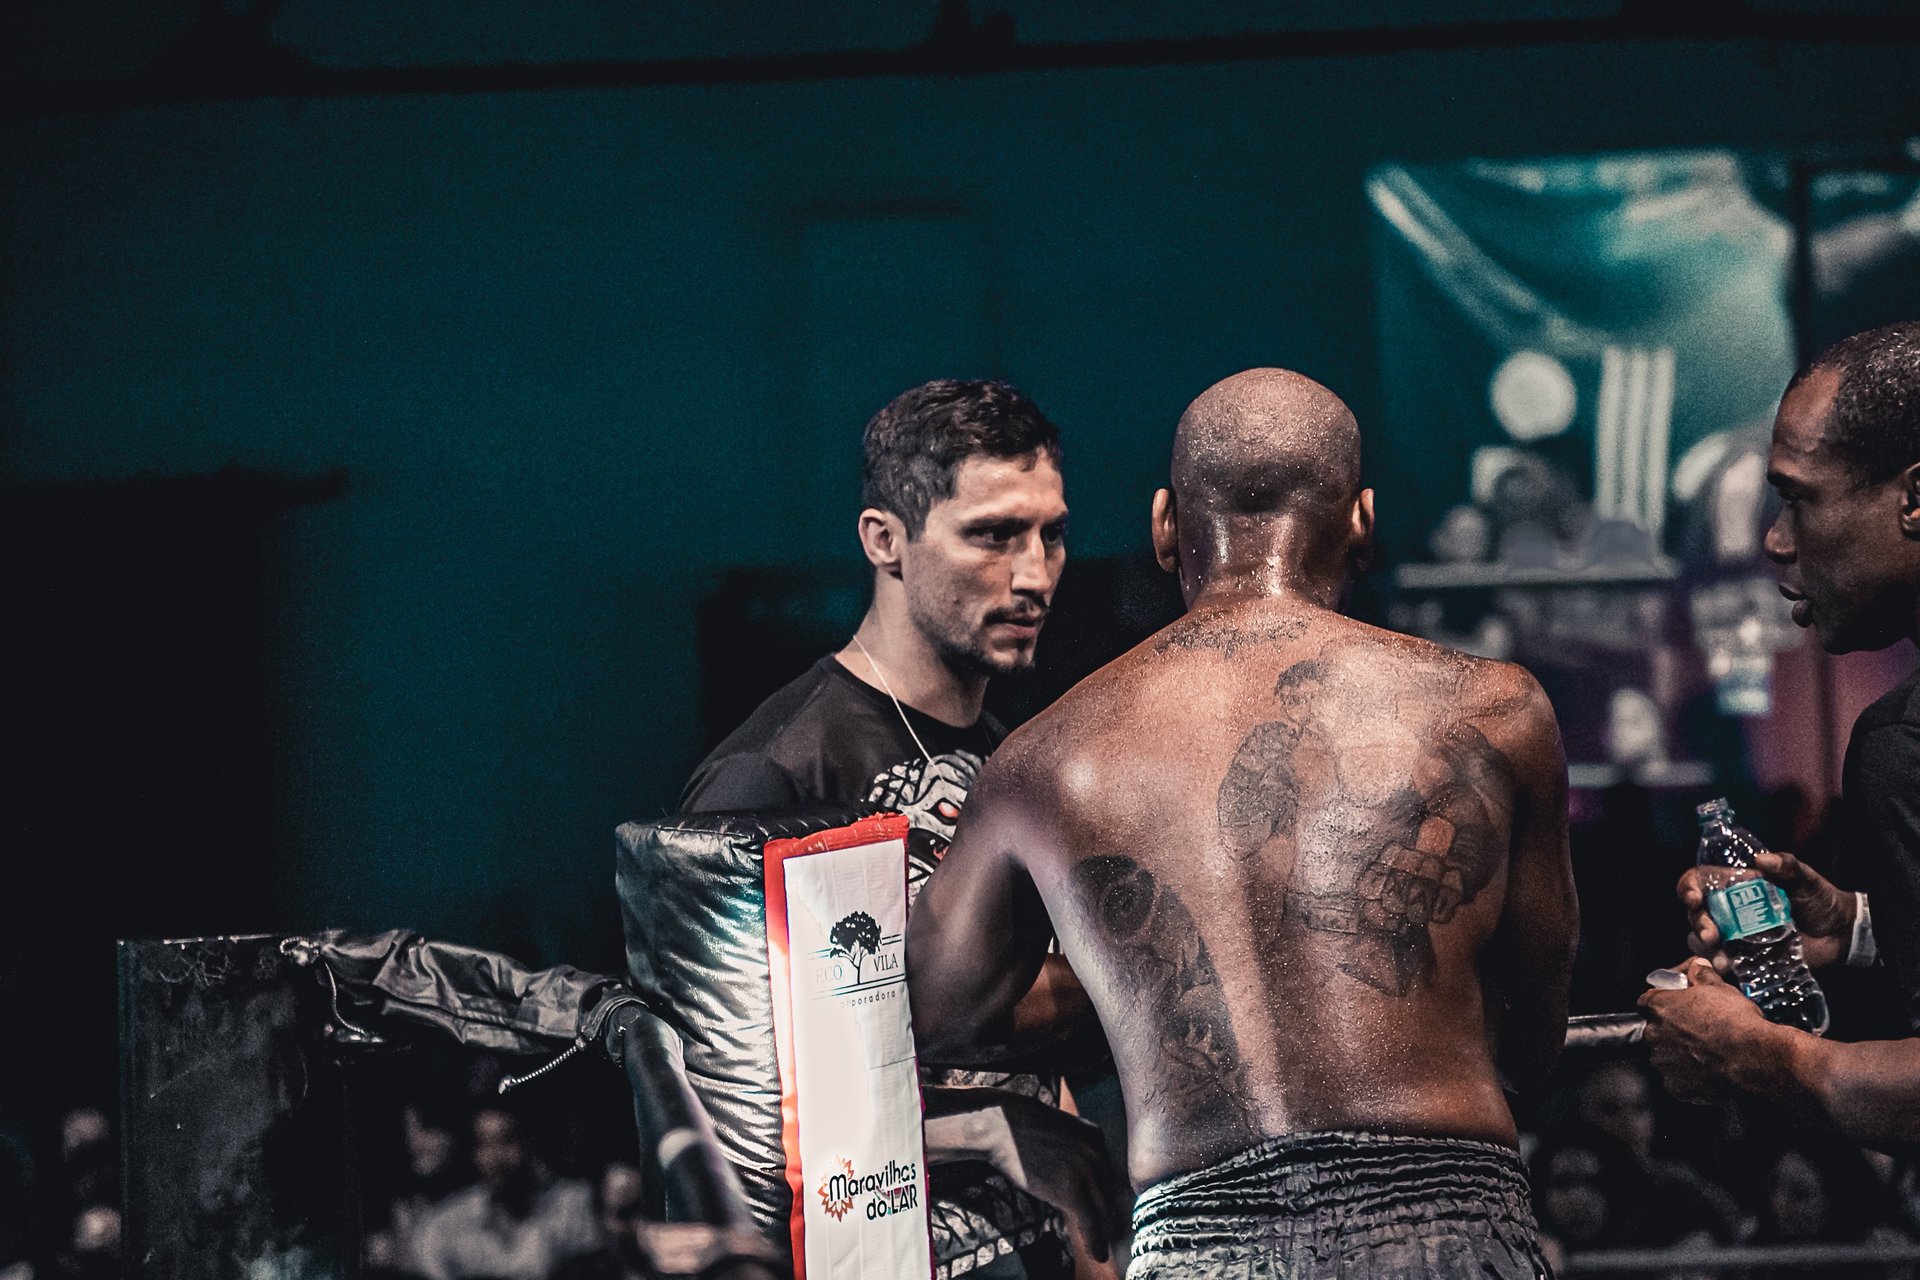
(898,659)
(1270,580)
(1233,559)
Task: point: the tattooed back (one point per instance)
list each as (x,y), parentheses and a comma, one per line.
(1312,874)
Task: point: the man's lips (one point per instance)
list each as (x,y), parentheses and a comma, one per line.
(1026,622)
(1802,610)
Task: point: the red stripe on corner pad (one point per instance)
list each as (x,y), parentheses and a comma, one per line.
(868,830)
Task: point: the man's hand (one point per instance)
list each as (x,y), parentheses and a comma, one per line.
(1709,1038)
(1821,912)
(1047,1153)
(1700,1036)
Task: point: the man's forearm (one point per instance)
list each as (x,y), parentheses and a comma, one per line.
(1869,1091)
(1052,1026)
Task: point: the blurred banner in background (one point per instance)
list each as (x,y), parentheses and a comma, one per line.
(1580,360)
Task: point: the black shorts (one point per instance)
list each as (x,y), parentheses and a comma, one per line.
(1353,1205)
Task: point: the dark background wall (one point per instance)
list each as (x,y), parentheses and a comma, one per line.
(576,352)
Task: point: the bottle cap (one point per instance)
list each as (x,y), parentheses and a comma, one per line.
(1712,809)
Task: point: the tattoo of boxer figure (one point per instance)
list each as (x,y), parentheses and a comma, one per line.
(1160,948)
(1378,866)
(1259,797)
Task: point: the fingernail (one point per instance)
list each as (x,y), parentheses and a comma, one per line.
(1668,980)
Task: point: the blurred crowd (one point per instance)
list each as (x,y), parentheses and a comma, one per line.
(1617,1165)
(459,1186)
(60,1208)
(460,1182)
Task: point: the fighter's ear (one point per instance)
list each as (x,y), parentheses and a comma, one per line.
(1166,531)
(1360,543)
(883,536)
(1910,501)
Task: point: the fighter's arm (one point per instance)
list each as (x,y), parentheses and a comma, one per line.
(981,983)
(1709,1039)
(1531,955)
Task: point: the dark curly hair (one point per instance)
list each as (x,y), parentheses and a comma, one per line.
(916,444)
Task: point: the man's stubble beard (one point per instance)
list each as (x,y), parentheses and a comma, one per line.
(967,656)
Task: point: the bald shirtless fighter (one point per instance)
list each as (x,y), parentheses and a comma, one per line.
(1313,875)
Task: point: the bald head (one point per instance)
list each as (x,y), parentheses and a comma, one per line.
(1267,442)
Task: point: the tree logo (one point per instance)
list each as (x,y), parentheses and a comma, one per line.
(856,937)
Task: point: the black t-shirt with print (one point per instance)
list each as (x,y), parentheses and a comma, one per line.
(830,737)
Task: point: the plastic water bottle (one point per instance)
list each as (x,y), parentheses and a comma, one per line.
(1756,928)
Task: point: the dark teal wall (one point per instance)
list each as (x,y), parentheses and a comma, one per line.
(578,352)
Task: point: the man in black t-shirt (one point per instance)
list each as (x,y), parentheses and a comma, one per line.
(1846,462)
(964,523)
(831,736)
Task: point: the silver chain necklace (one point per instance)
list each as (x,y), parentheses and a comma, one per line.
(897,708)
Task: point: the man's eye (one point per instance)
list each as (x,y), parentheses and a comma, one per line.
(1054,534)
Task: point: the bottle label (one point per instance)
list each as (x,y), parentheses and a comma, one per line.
(1746,908)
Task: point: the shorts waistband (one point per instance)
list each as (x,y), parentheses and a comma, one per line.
(1307,1176)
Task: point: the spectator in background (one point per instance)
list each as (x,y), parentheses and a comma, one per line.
(92,1249)
(618,1195)
(1583,1183)
(89,1163)
(83,1201)
(432,1167)
(1822,1191)
(516,1223)
(435,1164)
(1592,1193)
(1616,1098)
(1900,1176)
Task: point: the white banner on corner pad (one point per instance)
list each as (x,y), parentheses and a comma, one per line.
(862,1159)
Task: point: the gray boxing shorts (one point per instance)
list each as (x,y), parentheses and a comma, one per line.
(1357,1206)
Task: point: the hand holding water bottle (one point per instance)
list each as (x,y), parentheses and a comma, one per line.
(1753,923)
(1823,912)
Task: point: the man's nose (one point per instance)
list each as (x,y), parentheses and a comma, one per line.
(1778,544)
(1034,569)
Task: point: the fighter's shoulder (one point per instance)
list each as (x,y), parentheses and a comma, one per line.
(1506,705)
(1035,758)
(1028,756)
(1461,685)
